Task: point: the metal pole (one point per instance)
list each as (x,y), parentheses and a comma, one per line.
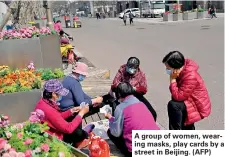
(47,6)
(140,8)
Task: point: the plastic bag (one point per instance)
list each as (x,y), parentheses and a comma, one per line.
(98,147)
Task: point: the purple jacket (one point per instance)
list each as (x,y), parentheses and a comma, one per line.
(130,115)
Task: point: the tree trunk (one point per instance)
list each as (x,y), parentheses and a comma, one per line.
(5,19)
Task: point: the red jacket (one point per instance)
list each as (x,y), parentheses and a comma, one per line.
(191,89)
(56,120)
(138,80)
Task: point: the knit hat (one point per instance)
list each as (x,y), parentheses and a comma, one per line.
(56,87)
(80,68)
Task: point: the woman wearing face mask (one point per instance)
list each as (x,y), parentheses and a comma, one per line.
(132,74)
(130,114)
(49,104)
(190,100)
(76,95)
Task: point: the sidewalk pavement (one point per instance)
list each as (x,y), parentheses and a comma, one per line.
(160,20)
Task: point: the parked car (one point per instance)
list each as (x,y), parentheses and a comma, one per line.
(135,11)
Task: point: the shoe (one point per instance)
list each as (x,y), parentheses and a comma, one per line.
(82,144)
(89,128)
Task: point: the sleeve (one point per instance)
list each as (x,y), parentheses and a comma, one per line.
(116,123)
(62,125)
(142,85)
(117,79)
(79,94)
(66,114)
(185,90)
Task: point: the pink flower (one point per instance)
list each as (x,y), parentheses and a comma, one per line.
(19,135)
(36,116)
(2,144)
(61,154)
(28,153)
(12,149)
(8,134)
(13,153)
(20,154)
(45,147)
(6,155)
(7,147)
(28,141)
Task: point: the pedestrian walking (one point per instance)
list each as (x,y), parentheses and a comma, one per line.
(190,101)
(213,12)
(131,16)
(125,19)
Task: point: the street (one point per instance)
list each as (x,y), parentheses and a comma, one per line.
(108,44)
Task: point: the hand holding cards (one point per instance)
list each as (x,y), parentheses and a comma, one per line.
(84,109)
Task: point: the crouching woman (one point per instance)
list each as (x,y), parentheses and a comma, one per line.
(190,100)
(59,127)
(130,114)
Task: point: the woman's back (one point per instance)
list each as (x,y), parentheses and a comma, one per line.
(136,116)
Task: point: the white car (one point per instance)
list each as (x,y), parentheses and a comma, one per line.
(135,11)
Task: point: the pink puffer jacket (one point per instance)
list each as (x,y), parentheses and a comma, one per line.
(191,89)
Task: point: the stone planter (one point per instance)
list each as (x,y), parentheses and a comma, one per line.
(205,14)
(19,105)
(189,15)
(177,17)
(167,17)
(200,15)
(43,51)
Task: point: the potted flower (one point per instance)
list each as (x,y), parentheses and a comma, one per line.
(176,15)
(189,15)
(200,13)
(167,16)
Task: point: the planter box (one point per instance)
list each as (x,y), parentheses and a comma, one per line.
(177,17)
(205,14)
(75,151)
(200,15)
(189,16)
(43,51)
(19,105)
(167,17)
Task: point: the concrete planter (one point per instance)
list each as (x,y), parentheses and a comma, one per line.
(43,51)
(167,17)
(205,14)
(200,15)
(19,105)
(189,15)
(177,17)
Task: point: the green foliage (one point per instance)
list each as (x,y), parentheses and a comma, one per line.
(4,72)
(201,10)
(10,89)
(17,143)
(56,146)
(37,84)
(58,73)
(47,74)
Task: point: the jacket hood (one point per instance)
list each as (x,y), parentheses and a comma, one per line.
(190,65)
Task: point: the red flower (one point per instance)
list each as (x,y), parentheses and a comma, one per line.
(45,147)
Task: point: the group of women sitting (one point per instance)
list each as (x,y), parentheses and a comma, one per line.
(66,104)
